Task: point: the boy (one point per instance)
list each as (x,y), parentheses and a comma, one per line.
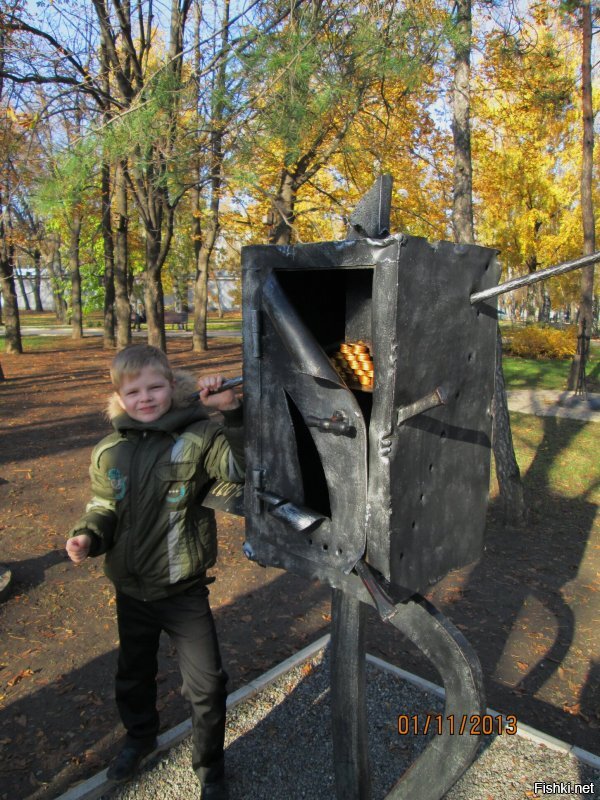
(159,542)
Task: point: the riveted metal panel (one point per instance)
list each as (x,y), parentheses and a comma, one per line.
(429,473)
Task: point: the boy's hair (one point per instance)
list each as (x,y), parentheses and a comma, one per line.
(132,359)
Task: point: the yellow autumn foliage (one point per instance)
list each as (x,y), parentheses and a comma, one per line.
(537,341)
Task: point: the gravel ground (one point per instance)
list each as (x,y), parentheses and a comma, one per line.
(279,746)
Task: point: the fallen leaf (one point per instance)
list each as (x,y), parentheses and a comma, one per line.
(25,673)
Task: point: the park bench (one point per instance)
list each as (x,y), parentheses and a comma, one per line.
(179,318)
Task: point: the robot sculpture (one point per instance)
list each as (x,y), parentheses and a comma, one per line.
(368,379)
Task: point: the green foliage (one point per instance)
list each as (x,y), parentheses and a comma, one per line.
(92,279)
(146,137)
(71,175)
(315,70)
(535,341)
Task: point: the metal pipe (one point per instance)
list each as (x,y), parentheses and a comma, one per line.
(299,518)
(534,277)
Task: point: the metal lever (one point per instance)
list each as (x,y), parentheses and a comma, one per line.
(299,518)
(534,277)
(437,398)
(231,383)
(338,423)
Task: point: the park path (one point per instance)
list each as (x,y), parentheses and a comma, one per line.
(555,403)
(30,330)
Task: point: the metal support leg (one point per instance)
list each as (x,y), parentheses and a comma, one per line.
(449,754)
(348,704)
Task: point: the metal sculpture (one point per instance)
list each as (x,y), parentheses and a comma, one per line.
(368,379)
(375,483)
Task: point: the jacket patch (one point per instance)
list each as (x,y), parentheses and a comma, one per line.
(118,482)
(175,494)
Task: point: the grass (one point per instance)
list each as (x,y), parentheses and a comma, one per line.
(560,453)
(529,373)
(40,343)
(47,319)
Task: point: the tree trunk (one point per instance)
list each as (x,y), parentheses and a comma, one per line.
(546,306)
(586,313)
(153,290)
(60,304)
(155,305)
(75,274)
(208,235)
(121,261)
(148,183)
(281,217)
(23,289)
(7,286)
(217,296)
(462,211)
(53,264)
(108,239)
(109,261)
(199,337)
(37,280)
(507,470)
(7,279)
(9,293)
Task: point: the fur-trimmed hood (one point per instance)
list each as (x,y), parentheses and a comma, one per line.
(185,386)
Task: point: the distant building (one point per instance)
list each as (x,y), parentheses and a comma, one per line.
(24,283)
(223,292)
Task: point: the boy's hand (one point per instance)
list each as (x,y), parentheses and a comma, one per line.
(78,547)
(210,396)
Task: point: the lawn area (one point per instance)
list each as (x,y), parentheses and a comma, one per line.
(39,343)
(47,319)
(529,373)
(557,456)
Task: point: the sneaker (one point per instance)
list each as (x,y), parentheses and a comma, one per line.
(128,761)
(216,790)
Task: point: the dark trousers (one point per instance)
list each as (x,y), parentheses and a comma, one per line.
(188,620)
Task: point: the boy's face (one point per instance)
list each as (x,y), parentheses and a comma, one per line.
(146,396)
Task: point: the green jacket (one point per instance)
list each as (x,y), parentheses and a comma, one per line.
(147,479)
